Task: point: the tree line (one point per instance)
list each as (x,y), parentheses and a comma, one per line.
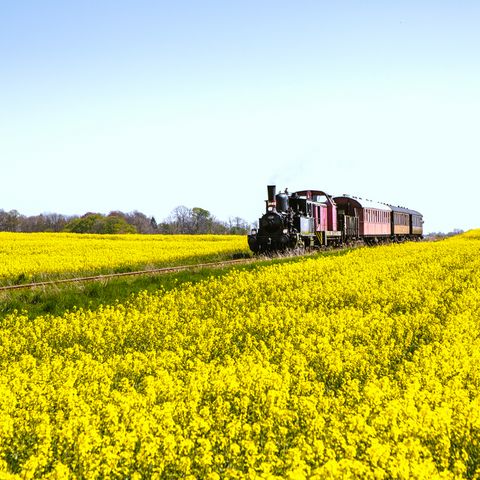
(182,220)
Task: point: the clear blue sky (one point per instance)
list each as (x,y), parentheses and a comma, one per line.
(147,105)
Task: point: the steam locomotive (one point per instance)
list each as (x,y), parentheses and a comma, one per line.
(314,219)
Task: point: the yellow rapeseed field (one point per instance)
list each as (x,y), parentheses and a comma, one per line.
(363,365)
(38,255)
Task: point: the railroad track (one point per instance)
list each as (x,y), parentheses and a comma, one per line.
(155,271)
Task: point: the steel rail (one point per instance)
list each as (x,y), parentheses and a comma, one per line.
(127,274)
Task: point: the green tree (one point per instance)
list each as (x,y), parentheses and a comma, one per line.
(114,224)
(202,220)
(98,223)
(9,221)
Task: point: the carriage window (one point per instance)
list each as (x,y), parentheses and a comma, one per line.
(320,198)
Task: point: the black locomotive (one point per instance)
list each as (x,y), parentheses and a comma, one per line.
(313,219)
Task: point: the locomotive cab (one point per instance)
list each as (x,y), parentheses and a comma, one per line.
(319,220)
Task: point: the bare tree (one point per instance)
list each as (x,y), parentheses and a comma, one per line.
(238,226)
(181,217)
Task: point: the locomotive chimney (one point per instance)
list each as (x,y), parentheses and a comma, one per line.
(271,196)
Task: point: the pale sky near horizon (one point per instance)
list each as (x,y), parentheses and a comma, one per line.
(147,105)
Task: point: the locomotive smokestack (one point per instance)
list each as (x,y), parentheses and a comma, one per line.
(271,196)
(271,193)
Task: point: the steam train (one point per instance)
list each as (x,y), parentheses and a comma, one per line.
(314,219)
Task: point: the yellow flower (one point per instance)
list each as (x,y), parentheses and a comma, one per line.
(362,365)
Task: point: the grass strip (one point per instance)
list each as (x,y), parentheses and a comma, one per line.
(57,299)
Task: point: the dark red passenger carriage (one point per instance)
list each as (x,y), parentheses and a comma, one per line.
(374,219)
